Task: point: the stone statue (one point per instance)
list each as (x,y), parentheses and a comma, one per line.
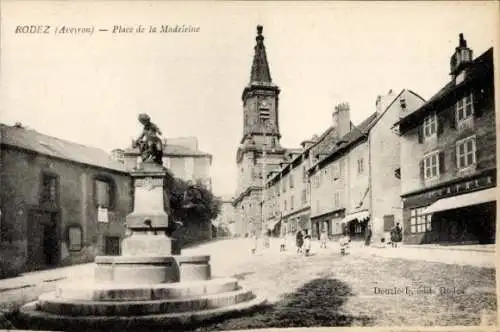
(149,142)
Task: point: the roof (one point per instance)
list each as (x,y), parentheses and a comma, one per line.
(480,70)
(183,151)
(355,134)
(31,140)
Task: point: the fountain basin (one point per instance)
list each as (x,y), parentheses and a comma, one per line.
(151,269)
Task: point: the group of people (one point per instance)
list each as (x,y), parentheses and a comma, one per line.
(303,239)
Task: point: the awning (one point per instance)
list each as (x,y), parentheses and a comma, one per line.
(455,202)
(272,224)
(361,215)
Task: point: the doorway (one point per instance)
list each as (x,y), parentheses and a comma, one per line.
(43,240)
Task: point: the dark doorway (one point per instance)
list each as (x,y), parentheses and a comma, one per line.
(43,240)
(112,245)
(471,224)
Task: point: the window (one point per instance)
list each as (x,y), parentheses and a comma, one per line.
(291,180)
(304,196)
(431,165)
(430,126)
(336,200)
(466,152)
(360,166)
(464,108)
(419,222)
(284,184)
(291,203)
(74,238)
(284,205)
(304,174)
(49,189)
(104,192)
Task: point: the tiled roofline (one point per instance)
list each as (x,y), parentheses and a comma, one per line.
(15,147)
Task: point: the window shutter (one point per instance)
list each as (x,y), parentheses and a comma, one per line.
(422,170)
(478,157)
(479,101)
(420,134)
(442,166)
(440,123)
(454,156)
(111,195)
(451,114)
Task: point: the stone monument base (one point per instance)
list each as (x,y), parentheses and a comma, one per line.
(144,244)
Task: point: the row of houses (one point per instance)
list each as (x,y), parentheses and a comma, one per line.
(428,165)
(63,203)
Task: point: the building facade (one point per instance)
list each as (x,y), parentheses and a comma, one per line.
(186,161)
(62,203)
(356,183)
(448,157)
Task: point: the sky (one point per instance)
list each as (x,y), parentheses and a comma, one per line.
(89,88)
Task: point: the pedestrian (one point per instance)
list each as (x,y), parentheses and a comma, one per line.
(283,243)
(323,238)
(255,242)
(368,234)
(299,240)
(268,238)
(396,235)
(307,243)
(344,242)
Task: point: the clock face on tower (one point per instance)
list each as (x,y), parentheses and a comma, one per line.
(263,104)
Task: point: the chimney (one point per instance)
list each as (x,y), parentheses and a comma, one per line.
(384,101)
(342,119)
(461,58)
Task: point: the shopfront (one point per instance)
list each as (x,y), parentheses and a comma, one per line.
(356,223)
(463,213)
(327,222)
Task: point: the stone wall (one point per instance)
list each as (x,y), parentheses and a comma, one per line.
(21,231)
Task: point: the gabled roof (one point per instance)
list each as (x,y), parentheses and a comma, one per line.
(31,140)
(479,70)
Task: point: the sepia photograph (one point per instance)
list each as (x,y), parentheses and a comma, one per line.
(248,165)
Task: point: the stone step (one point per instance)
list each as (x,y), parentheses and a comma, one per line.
(133,292)
(51,304)
(45,320)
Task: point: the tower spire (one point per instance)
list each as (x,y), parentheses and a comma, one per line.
(260,67)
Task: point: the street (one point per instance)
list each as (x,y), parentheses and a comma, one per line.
(326,289)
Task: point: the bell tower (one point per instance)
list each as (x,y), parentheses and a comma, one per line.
(259,151)
(260,101)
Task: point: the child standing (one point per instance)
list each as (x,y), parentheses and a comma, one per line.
(283,243)
(344,244)
(307,243)
(323,238)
